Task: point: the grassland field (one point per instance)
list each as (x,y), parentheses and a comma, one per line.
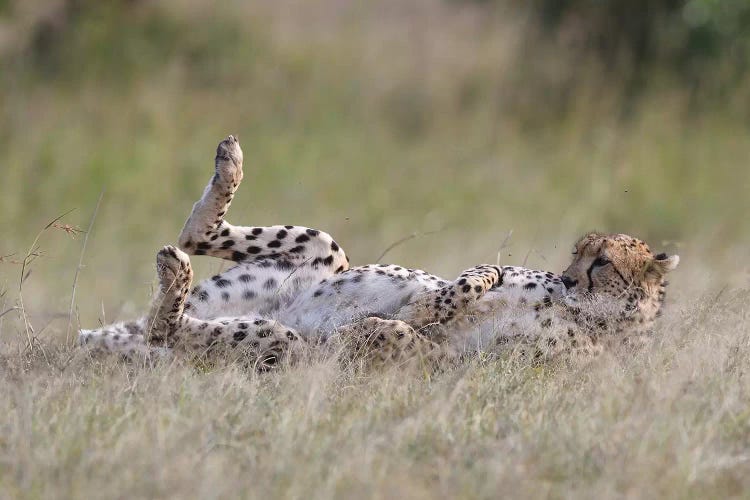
(428,122)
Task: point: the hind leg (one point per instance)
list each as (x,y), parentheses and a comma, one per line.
(175,275)
(206,232)
(263,342)
(267,341)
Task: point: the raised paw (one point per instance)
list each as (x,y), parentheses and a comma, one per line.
(475,282)
(173,267)
(229,161)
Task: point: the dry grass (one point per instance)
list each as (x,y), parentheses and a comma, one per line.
(672,421)
(372,120)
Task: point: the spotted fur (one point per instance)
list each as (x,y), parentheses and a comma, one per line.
(293,286)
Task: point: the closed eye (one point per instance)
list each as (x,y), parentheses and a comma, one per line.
(601,261)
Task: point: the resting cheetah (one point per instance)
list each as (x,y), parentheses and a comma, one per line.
(293,285)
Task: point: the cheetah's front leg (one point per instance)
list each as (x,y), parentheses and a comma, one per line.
(453,300)
(382,342)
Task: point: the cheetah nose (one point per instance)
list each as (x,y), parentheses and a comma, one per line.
(569,282)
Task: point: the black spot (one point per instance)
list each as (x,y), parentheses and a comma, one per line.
(274,244)
(238,256)
(281,234)
(249,295)
(289,227)
(225,232)
(225,296)
(270,284)
(661,256)
(530,286)
(478,288)
(250,237)
(247,278)
(297,249)
(284,265)
(312,232)
(302,238)
(253,250)
(334,246)
(222,283)
(462,281)
(339,269)
(239,336)
(200,252)
(227,244)
(318,292)
(203,246)
(203,296)
(263,333)
(257,230)
(328,260)
(466,288)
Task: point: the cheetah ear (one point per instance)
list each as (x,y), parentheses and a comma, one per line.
(663,263)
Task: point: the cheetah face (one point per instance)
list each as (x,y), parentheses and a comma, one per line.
(614,265)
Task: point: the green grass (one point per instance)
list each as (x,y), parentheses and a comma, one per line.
(372,121)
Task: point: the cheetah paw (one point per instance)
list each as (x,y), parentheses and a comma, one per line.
(172,264)
(229,160)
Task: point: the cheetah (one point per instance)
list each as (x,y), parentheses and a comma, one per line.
(293,286)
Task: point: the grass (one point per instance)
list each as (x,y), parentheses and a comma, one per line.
(670,422)
(373,121)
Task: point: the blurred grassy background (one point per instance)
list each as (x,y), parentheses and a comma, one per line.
(372,120)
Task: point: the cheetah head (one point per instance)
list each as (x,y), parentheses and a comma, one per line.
(620,271)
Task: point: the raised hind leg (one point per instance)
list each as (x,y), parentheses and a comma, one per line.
(206,232)
(266,340)
(175,276)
